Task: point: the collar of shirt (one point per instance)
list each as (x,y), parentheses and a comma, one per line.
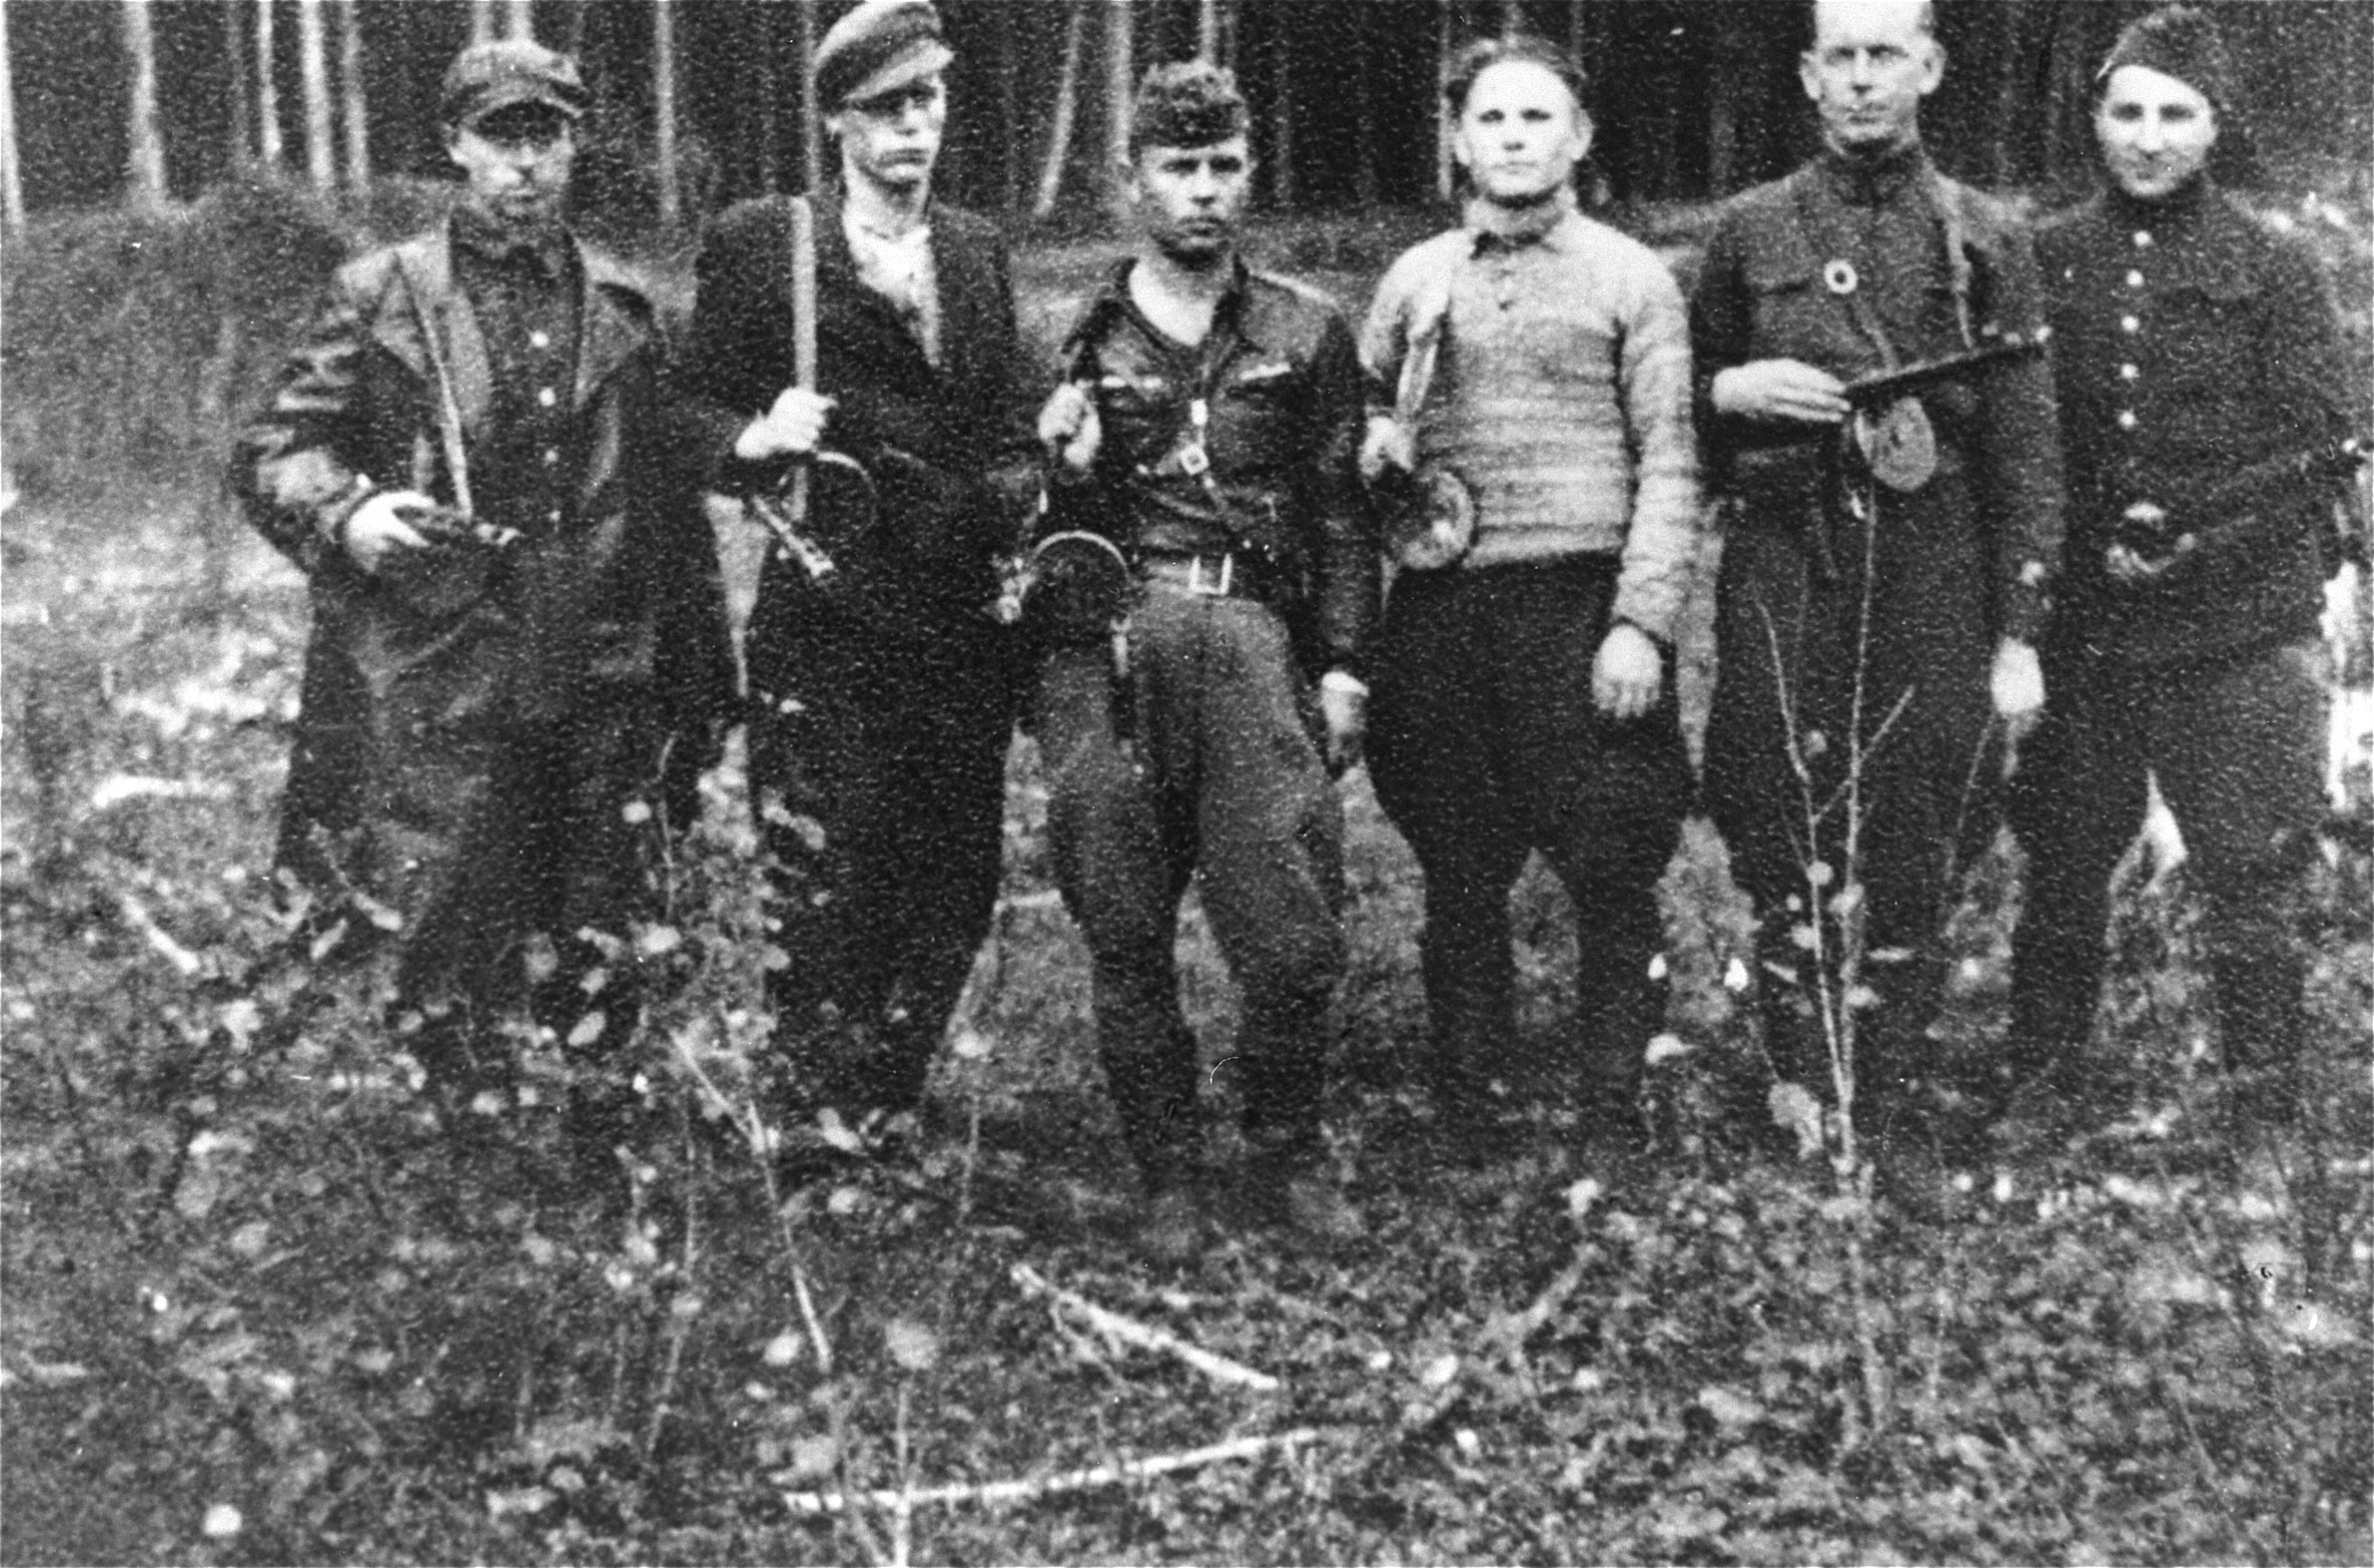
(545,250)
(1112,303)
(1874,181)
(1552,224)
(893,266)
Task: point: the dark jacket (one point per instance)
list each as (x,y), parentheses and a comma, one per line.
(2191,341)
(950,447)
(1280,380)
(588,611)
(1761,295)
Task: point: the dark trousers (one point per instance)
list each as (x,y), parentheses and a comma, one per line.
(880,768)
(2238,747)
(1485,745)
(1207,761)
(507,850)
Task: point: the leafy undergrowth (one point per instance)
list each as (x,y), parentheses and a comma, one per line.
(261,1306)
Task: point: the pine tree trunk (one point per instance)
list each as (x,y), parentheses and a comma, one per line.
(350,95)
(1121,53)
(1067,106)
(1365,92)
(1208,29)
(267,90)
(1281,113)
(12,180)
(240,103)
(671,196)
(1442,44)
(766,74)
(482,21)
(148,156)
(811,114)
(519,19)
(321,122)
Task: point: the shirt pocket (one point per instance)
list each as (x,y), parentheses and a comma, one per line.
(1792,311)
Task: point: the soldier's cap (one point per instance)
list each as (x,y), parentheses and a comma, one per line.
(488,77)
(2180,41)
(1186,104)
(876,49)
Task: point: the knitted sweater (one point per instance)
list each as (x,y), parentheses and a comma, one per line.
(1562,394)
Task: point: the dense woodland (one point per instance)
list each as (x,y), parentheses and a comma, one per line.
(703,100)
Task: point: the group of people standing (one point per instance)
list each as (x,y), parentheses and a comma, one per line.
(2074,488)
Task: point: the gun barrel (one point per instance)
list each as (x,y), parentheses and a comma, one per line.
(1886,386)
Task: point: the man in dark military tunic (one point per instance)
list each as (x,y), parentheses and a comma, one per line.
(1209,431)
(882,698)
(467,459)
(1883,573)
(2198,360)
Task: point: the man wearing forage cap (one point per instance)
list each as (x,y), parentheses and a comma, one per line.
(881,696)
(467,459)
(2193,346)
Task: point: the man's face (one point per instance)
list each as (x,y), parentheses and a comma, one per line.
(517,162)
(1869,68)
(892,139)
(1191,199)
(2155,131)
(1520,133)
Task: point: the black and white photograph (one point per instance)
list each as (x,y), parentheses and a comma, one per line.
(1128,781)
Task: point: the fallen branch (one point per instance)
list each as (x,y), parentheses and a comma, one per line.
(995,1492)
(160,940)
(1219,1369)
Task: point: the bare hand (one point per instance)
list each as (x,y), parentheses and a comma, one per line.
(1387,444)
(378,526)
(1780,389)
(1628,673)
(1344,705)
(793,428)
(2017,686)
(1069,428)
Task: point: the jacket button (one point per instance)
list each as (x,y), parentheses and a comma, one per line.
(2134,279)
(2126,422)
(2143,239)
(2126,373)
(539,340)
(2129,324)
(546,397)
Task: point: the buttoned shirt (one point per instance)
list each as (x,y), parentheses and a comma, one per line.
(523,292)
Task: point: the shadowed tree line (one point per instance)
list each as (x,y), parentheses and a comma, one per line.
(704,100)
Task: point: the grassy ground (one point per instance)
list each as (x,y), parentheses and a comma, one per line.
(257,1309)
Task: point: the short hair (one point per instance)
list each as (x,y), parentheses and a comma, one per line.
(1187,104)
(1925,20)
(1527,48)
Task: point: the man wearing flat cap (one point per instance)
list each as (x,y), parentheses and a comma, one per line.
(2200,376)
(881,693)
(465,457)
(1886,555)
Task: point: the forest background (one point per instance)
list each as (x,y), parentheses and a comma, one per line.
(253,1307)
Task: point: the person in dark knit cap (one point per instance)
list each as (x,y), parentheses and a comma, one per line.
(881,699)
(2194,344)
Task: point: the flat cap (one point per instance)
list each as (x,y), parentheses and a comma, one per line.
(878,47)
(2180,41)
(488,77)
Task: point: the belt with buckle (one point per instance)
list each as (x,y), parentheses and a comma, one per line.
(1233,575)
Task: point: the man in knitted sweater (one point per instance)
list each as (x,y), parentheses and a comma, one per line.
(1522,691)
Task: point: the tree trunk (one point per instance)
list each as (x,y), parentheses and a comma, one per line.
(321,122)
(1067,106)
(519,19)
(350,94)
(148,160)
(1442,46)
(811,116)
(482,21)
(1281,112)
(1208,29)
(12,183)
(267,90)
(1009,140)
(241,101)
(1365,96)
(1120,59)
(671,196)
(768,83)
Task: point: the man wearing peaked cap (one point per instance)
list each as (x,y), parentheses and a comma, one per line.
(2194,345)
(466,458)
(882,696)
